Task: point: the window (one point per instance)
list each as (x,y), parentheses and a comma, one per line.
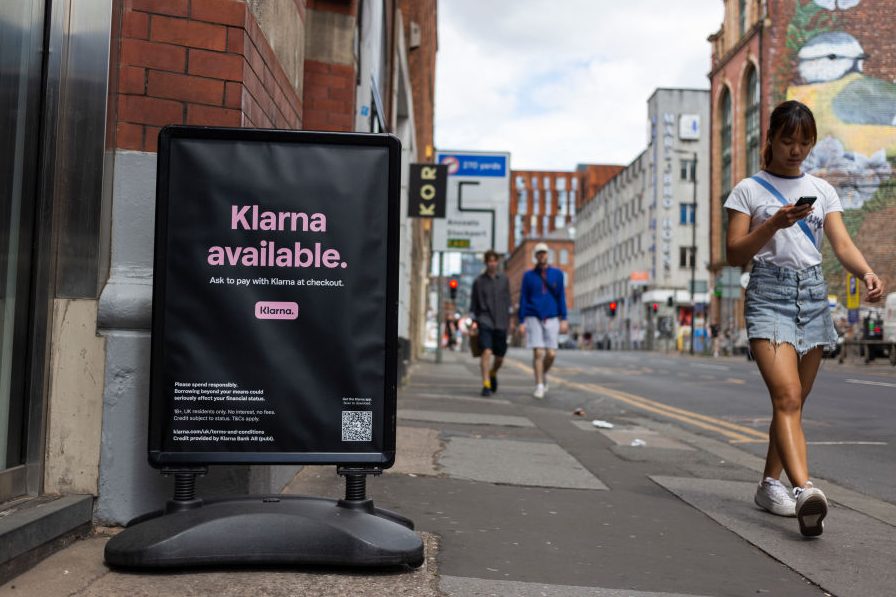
(687,257)
(564,256)
(687,170)
(726,141)
(751,123)
(742,14)
(522,202)
(559,222)
(546,224)
(686,213)
(536,201)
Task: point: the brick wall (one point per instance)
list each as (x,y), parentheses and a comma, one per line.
(422,69)
(532,180)
(330,68)
(330,96)
(201,62)
(870,219)
(592,177)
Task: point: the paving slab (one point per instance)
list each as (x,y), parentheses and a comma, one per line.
(625,436)
(512,462)
(453,397)
(79,572)
(637,539)
(438,416)
(840,561)
(416,449)
(478,587)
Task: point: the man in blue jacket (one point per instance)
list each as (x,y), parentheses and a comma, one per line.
(542,315)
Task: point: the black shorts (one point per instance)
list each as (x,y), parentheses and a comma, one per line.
(494,340)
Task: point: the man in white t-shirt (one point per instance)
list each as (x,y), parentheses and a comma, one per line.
(789,247)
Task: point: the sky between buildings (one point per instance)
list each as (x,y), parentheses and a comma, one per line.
(562,82)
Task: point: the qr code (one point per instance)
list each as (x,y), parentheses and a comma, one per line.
(357,426)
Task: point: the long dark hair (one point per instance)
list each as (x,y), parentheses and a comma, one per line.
(789,118)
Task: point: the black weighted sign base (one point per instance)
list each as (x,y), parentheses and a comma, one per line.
(269,531)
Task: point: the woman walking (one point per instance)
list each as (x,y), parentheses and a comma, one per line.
(776,219)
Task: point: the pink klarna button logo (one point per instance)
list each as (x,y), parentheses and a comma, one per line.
(276,310)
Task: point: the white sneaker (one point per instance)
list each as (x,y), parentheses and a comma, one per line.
(771,495)
(539,392)
(811,508)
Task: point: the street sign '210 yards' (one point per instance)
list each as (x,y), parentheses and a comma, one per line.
(477,213)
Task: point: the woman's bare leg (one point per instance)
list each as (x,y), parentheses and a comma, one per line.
(808,369)
(779,366)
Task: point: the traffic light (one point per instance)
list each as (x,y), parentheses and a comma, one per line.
(655,307)
(613,307)
(670,301)
(452,288)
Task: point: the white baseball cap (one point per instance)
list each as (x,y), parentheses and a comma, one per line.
(541,247)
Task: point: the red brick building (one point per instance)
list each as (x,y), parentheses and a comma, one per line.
(768,51)
(544,201)
(591,178)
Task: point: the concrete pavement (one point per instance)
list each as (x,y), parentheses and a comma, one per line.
(520,497)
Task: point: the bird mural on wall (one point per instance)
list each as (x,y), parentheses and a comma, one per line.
(855,115)
(835,4)
(848,105)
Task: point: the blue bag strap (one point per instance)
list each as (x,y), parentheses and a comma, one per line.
(777,195)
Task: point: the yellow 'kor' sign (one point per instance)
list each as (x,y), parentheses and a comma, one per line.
(427,190)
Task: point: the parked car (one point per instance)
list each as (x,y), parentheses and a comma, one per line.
(566,341)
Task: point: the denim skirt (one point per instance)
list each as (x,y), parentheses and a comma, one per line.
(786,305)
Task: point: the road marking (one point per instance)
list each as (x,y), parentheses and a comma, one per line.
(736,380)
(732,431)
(866,382)
(705,366)
(847,443)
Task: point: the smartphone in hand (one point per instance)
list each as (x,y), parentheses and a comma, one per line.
(805,201)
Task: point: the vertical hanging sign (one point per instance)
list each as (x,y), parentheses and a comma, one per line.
(275,298)
(426,190)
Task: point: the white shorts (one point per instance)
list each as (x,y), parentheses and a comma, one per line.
(542,334)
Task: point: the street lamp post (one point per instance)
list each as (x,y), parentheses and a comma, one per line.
(694,255)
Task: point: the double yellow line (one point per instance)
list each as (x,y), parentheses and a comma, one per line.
(732,431)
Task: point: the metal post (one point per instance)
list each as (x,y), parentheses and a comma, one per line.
(439,309)
(694,257)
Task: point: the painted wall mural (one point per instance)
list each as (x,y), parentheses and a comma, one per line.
(855,112)
(839,58)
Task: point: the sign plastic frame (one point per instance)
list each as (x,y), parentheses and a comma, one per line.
(158,409)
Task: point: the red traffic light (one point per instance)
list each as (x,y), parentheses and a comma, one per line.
(452,284)
(613,306)
(656,307)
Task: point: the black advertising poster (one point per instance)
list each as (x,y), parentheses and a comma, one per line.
(427,190)
(274,298)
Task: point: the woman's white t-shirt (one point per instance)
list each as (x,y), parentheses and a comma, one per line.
(789,247)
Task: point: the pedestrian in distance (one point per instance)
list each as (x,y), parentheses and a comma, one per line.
(776,220)
(542,315)
(490,307)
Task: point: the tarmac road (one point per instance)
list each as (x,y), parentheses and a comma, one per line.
(850,416)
